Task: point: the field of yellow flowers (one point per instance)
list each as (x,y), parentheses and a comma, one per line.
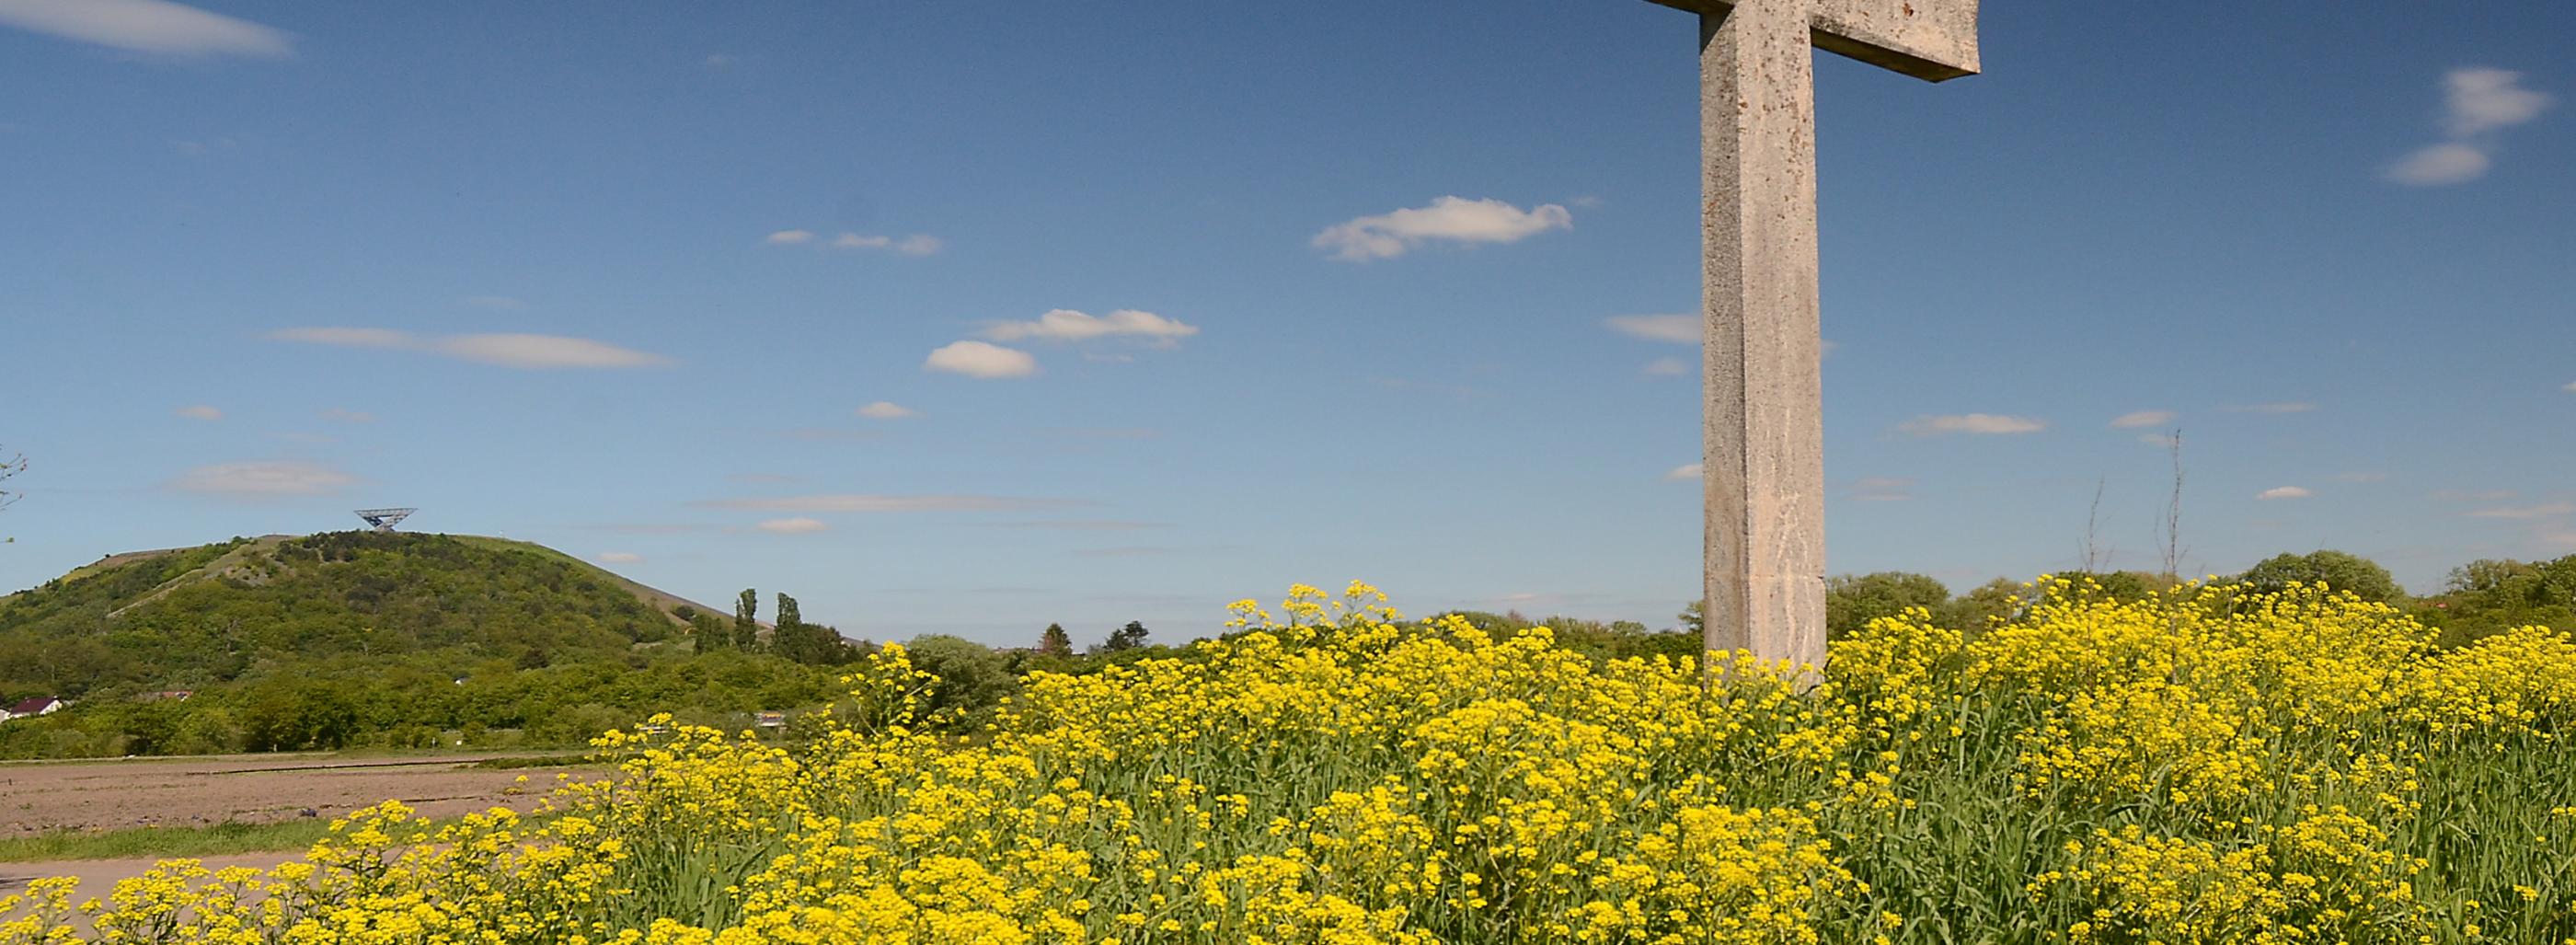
(2209,766)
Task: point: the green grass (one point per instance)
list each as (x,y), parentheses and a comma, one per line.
(224,839)
(165,842)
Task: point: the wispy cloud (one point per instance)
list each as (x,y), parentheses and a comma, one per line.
(619,557)
(793,526)
(2570,388)
(1448,219)
(2142,418)
(1665,367)
(526,351)
(980,359)
(1065,324)
(149,26)
(887,410)
(869,503)
(264,479)
(1981,424)
(1679,329)
(2287,406)
(1685,472)
(2283,492)
(199,412)
(2472,495)
(789,237)
(918,244)
(1084,525)
(2477,101)
(2527,512)
(1882,489)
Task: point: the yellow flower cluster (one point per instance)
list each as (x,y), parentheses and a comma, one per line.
(2205,766)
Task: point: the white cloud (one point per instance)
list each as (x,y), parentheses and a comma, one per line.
(789,237)
(1665,367)
(1679,473)
(506,350)
(1882,489)
(1986,424)
(1680,329)
(1065,324)
(887,410)
(2283,492)
(719,60)
(348,416)
(2142,418)
(2434,165)
(258,479)
(978,359)
(544,351)
(346,337)
(620,557)
(2527,512)
(151,26)
(793,526)
(503,302)
(918,244)
(2476,100)
(2294,406)
(2479,99)
(1452,219)
(199,412)
(867,503)
(2472,495)
(2570,388)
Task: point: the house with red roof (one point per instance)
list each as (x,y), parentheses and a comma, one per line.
(39,705)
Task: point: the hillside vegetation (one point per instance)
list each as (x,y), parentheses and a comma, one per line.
(362,638)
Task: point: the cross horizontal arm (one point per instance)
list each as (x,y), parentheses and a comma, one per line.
(1927,39)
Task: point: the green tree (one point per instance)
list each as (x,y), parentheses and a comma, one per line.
(1055,642)
(1974,611)
(810,644)
(1852,601)
(710,632)
(746,620)
(1122,639)
(972,678)
(2334,569)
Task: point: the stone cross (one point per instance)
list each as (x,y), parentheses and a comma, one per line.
(1763,451)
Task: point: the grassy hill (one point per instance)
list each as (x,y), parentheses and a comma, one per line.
(358,637)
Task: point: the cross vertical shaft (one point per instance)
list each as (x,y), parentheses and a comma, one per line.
(1763,449)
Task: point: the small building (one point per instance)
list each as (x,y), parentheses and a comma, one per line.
(772,720)
(29,708)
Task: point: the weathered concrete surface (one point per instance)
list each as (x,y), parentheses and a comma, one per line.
(1926,39)
(1763,448)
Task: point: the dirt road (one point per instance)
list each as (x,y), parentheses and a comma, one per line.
(38,798)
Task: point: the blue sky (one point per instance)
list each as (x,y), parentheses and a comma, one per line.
(1365,290)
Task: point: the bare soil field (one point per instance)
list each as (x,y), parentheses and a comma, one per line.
(44,797)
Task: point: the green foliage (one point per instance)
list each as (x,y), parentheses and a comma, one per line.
(810,644)
(1054,641)
(1122,639)
(1852,601)
(2335,569)
(972,678)
(746,620)
(2486,597)
(357,639)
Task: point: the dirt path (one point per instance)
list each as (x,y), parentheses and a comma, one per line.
(109,795)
